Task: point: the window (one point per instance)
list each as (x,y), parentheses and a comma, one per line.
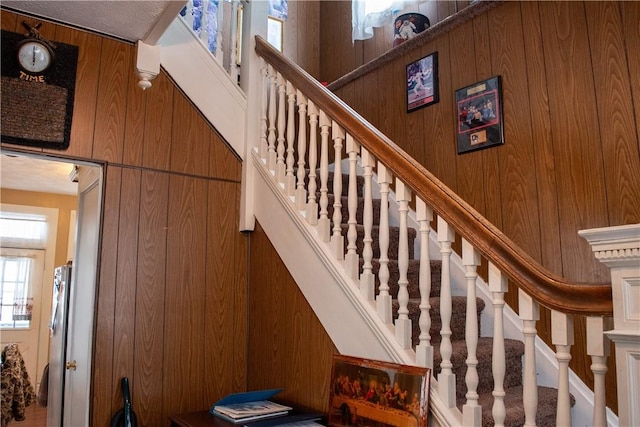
(366,14)
(23,237)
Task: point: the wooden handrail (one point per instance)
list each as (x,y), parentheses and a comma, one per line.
(550,290)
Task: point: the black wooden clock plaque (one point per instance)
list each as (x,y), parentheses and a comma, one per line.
(37,108)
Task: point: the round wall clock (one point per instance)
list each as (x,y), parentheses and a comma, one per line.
(34,56)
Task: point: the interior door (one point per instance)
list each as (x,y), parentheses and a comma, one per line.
(82,299)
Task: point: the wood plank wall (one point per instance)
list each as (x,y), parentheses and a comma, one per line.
(571,158)
(172,285)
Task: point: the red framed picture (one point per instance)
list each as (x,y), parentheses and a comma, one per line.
(479,110)
(374,393)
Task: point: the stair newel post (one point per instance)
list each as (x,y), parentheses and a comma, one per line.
(337,240)
(403,323)
(323,223)
(312,205)
(367,279)
(446,378)
(471,410)
(529,312)
(352,259)
(383,301)
(271,139)
(424,350)
(290,178)
(598,347)
(562,338)
(301,192)
(497,287)
(263,149)
(282,127)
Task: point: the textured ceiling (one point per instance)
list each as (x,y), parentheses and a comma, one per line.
(35,174)
(126,20)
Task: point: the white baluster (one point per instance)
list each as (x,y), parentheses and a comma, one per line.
(403,323)
(337,240)
(529,312)
(383,300)
(219,33)
(471,410)
(301,193)
(282,126)
(290,178)
(312,205)
(497,287)
(271,157)
(233,57)
(203,33)
(367,279)
(264,144)
(598,347)
(324,224)
(352,260)
(424,350)
(446,378)
(562,338)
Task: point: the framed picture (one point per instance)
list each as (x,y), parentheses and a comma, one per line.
(367,392)
(275,32)
(479,111)
(422,82)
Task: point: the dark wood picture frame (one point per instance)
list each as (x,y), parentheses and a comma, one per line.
(368,392)
(422,82)
(479,115)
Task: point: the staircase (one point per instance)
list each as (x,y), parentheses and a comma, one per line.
(280,194)
(514,349)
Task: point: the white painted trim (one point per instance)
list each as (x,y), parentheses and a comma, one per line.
(205,82)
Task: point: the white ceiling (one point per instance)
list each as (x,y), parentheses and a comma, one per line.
(20,172)
(123,19)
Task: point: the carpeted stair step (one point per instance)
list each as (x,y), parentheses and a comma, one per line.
(458,316)
(375,205)
(514,350)
(394,234)
(545,417)
(413,276)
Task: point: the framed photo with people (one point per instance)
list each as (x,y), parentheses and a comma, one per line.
(422,82)
(369,392)
(479,115)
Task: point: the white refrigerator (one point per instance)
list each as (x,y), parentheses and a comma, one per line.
(58,344)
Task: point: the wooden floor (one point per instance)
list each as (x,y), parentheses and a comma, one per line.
(35,416)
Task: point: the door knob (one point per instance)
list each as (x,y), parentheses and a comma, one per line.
(71,365)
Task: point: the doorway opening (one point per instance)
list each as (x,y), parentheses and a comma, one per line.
(70,194)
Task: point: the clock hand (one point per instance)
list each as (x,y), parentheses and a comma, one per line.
(34,56)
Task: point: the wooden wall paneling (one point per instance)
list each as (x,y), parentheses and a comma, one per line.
(268,328)
(158,123)
(397,104)
(615,112)
(150,298)
(86,91)
(439,123)
(241,301)
(518,206)
(104,395)
(630,12)
(386,97)
(223,164)
(446,8)
(183,364)
(371,108)
(8,21)
(291,38)
(581,190)
(190,147)
(134,118)
(469,175)
(308,23)
(491,170)
(126,271)
(541,138)
(115,73)
(225,329)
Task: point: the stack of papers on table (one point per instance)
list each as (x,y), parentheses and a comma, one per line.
(243,407)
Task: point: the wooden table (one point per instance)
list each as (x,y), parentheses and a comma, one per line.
(205,419)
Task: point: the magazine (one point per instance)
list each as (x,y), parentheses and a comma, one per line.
(248,411)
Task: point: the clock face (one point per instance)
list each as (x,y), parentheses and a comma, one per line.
(34,57)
